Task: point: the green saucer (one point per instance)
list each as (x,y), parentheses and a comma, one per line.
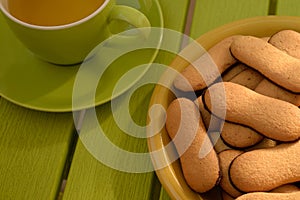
(32,83)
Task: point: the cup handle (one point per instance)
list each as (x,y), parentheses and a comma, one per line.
(131,16)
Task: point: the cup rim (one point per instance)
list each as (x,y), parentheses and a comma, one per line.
(55,27)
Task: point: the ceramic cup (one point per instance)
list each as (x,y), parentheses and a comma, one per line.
(69,44)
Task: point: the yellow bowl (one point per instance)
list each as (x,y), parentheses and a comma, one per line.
(171,176)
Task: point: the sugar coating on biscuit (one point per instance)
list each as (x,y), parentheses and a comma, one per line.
(287,41)
(273,63)
(266,169)
(240,136)
(269,89)
(275,119)
(271,196)
(234,135)
(207,68)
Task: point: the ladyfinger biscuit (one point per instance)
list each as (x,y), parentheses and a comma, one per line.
(275,119)
(201,73)
(265,143)
(213,124)
(219,144)
(265,169)
(234,135)
(233,71)
(270,196)
(225,158)
(286,189)
(226,196)
(248,78)
(273,63)
(288,41)
(269,89)
(185,127)
(239,136)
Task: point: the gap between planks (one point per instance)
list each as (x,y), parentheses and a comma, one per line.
(188,24)
(78,120)
(272,7)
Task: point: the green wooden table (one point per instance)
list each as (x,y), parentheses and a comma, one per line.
(41,155)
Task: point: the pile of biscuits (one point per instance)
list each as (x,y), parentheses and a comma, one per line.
(241,133)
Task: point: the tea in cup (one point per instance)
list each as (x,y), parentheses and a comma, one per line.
(64,32)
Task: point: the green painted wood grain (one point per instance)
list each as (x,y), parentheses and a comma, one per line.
(164,195)
(33,152)
(174,13)
(288,7)
(213,13)
(34,145)
(89,178)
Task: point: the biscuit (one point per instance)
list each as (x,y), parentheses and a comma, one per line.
(273,63)
(248,78)
(269,89)
(233,71)
(211,122)
(287,41)
(271,196)
(219,144)
(234,135)
(206,69)
(187,131)
(286,189)
(226,196)
(265,169)
(239,136)
(225,158)
(273,118)
(213,126)
(265,143)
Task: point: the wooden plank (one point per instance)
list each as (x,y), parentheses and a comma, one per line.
(164,195)
(174,14)
(213,13)
(91,179)
(288,7)
(33,151)
(272,7)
